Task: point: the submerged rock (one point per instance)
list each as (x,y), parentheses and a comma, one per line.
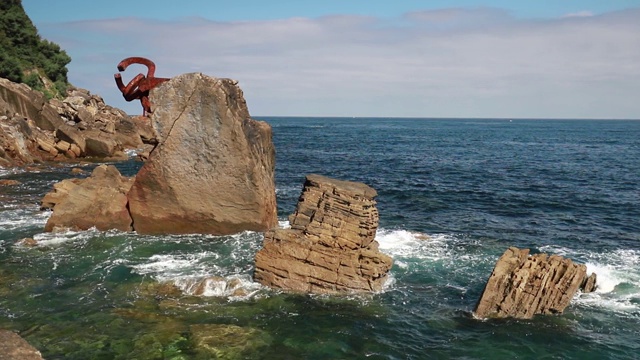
(522,286)
(330,247)
(213,168)
(221,341)
(13,347)
(99,200)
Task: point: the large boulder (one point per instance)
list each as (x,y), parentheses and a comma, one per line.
(522,286)
(212,170)
(330,247)
(99,200)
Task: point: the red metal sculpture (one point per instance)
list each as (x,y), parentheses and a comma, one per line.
(140,85)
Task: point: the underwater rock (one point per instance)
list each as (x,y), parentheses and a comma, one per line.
(212,170)
(13,347)
(221,341)
(522,286)
(330,247)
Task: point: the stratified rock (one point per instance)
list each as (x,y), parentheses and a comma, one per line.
(213,168)
(330,247)
(522,286)
(13,347)
(99,200)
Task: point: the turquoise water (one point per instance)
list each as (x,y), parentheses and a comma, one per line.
(453,195)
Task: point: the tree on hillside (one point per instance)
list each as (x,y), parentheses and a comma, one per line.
(25,56)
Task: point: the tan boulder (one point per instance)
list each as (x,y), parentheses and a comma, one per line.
(330,247)
(522,286)
(99,200)
(213,168)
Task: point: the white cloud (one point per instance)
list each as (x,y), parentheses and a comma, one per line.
(583,13)
(454,63)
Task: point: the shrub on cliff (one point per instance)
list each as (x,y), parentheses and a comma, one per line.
(27,58)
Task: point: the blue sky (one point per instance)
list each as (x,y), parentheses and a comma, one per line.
(507,59)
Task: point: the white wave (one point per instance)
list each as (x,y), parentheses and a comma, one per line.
(284,224)
(16,218)
(403,243)
(51,239)
(169,267)
(235,287)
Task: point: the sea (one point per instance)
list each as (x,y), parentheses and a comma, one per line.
(453,195)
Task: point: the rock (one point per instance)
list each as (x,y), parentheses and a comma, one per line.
(27,242)
(13,347)
(221,341)
(99,200)
(77,171)
(73,136)
(522,286)
(589,284)
(100,144)
(330,247)
(213,168)
(9,182)
(21,99)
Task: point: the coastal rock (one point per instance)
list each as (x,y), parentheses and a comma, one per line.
(34,129)
(330,247)
(522,286)
(212,170)
(21,99)
(99,200)
(13,347)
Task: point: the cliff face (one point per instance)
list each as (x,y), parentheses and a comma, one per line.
(330,247)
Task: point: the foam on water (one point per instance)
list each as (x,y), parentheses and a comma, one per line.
(618,277)
(234,287)
(174,266)
(17,217)
(53,239)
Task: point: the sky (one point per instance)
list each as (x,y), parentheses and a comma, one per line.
(368,58)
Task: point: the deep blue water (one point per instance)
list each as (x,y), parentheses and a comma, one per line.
(472,187)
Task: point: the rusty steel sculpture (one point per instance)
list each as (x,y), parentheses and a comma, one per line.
(140,85)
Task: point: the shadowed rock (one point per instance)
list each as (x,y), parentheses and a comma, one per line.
(99,200)
(522,286)
(213,168)
(330,247)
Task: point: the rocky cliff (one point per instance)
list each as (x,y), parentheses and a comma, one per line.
(330,247)
(522,286)
(33,129)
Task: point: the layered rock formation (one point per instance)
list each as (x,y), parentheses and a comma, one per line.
(213,168)
(522,286)
(33,129)
(99,200)
(330,247)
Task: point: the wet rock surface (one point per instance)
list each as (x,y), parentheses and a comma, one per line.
(523,285)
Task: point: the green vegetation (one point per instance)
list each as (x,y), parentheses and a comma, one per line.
(27,58)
